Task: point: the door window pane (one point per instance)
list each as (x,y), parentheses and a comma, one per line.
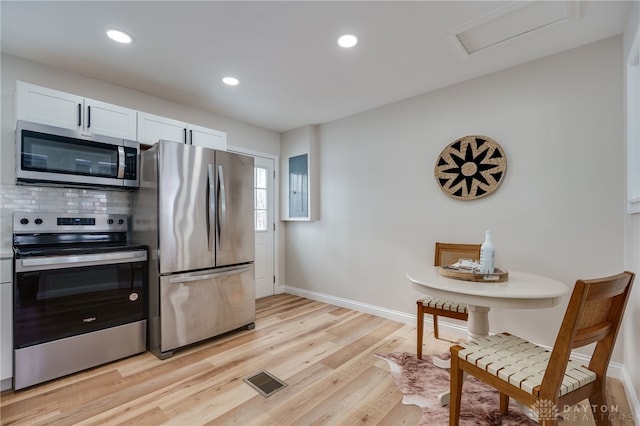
(261,177)
(261,220)
(260,199)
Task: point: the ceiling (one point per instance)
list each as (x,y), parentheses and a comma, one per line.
(291,70)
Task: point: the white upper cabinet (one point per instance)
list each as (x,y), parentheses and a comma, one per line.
(47,106)
(208,138)
(152,128)
(60,109)
(106,119)
(88,116)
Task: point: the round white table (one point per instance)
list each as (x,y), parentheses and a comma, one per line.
(521,291)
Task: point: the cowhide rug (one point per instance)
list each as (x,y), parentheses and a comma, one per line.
(421,382)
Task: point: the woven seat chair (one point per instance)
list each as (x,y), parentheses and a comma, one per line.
(545,380)
(445,254)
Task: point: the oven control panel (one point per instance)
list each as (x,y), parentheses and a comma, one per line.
(68,222)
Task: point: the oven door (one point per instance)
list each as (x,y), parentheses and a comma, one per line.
(62,296)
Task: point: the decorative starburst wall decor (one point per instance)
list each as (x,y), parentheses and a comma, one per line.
(471,167)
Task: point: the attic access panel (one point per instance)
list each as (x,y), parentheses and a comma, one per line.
(514,20)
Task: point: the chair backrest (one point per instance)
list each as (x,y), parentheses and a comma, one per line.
(594,315)
(448,253)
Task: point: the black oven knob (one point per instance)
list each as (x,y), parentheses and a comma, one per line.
(24,221)
(38,221)
(110,221)
(120,221)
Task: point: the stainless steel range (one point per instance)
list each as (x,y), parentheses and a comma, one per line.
(79,294)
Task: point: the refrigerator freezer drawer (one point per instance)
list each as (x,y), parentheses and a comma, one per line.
(197,306)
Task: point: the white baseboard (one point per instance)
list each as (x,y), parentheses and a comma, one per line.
(632,396)
(403,317)
(616,370)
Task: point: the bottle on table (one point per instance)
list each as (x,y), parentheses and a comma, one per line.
(487,255)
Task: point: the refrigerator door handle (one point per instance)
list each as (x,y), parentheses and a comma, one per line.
(222,202)
(211,207)
(192,277)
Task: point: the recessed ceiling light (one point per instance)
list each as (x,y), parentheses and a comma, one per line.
(119,36)
(348,40)
(230,81)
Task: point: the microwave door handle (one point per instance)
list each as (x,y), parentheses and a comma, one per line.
(222,202)
(121,162)
(211,206)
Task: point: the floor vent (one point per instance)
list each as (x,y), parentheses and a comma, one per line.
(265,383)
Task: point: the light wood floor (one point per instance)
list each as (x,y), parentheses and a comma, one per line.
(323,352)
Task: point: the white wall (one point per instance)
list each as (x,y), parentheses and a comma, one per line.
(559,211)
(632,251)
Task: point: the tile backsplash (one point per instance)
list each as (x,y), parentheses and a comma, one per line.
(54,199)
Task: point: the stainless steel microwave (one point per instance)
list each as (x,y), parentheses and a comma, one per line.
(47,154)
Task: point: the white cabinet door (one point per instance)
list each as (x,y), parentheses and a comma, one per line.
(6,319)
(102,118)
(47,106)
(152,128)
(60,109)
(208,138)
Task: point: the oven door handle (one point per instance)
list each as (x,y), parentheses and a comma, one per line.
(58,262)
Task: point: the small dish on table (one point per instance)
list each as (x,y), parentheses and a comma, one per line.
(467,274)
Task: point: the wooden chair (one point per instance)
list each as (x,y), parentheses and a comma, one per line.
(543,380)
(445,254)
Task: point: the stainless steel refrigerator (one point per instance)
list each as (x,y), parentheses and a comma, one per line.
(194,211)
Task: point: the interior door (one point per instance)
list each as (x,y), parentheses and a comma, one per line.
(264,226)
